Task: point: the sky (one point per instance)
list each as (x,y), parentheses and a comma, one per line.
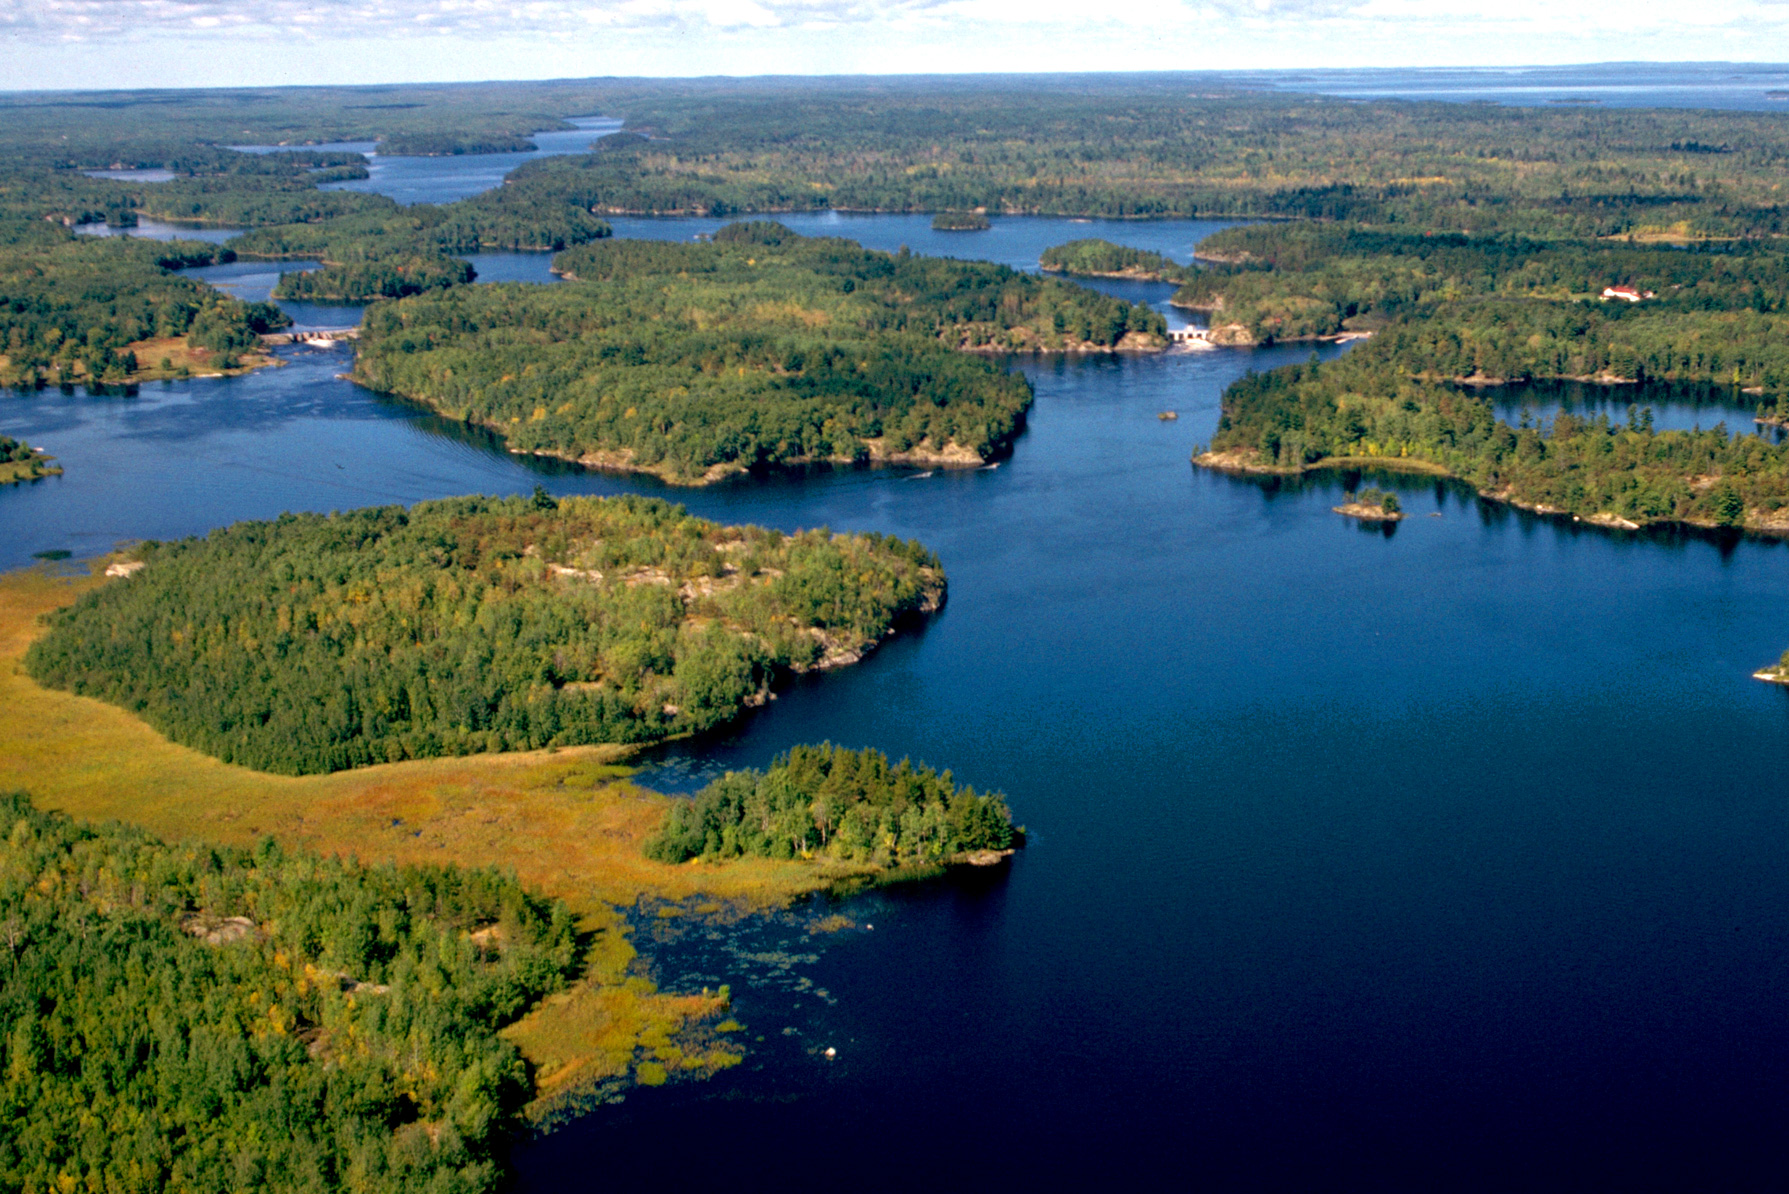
(133,43)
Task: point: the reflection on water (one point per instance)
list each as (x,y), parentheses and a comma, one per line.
(158,230)
(1670,406)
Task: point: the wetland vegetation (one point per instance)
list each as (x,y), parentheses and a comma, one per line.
(1474,241)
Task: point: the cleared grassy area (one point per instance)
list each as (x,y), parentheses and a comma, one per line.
(568,822)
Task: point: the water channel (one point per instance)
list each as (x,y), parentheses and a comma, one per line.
(1450,855)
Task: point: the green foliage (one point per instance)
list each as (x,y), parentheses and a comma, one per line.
(830,802)
(1509,306)
(1369,404)
(361,281)
(1381,498)
(211,1019)
(1127,147)
(763,348)
(1101,258)
(494,220)
(21,462)
(317,643)
(72,304)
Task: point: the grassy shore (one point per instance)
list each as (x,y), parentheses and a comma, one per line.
(12,472)
(568,823)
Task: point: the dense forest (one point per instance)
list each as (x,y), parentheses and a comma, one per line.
(87,307)
(762,348)
(362,281)
(1510,307)
(829,802)
(316,643)
(1165,146)
(1453,308)
(1368,405)
(211,1019)
(1095,258)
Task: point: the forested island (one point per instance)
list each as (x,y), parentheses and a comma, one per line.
(1096,258)
(21,462)
(848,805)
(315,643)
(761,349)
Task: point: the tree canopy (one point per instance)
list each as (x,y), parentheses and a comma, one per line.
(314,643)
(830,802)
(763,348)
(213,1019)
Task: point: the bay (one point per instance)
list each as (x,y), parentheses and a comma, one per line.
(1449,855)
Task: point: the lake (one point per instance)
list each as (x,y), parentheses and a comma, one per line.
(1451,855)
(1733,86)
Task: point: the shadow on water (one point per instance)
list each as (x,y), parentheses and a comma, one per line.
(1438,494)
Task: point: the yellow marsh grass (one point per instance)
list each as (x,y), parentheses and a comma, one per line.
(567,822)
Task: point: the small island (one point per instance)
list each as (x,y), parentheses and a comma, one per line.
(1095,258)
(841,807)
(960,221)
(1372,505)
(363,281)
(20,462)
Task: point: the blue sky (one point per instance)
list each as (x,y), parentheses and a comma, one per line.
(124,43)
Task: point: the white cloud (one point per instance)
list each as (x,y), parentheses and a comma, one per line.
(353,40)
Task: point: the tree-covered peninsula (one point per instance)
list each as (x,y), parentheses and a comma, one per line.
(1456,312)
(1367,409)
(1508,306)
(315,643)
(846,805)
(761,349)
(209,1018)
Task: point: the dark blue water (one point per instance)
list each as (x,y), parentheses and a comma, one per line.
(1673,407)
(1734,86)
(1449,856)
